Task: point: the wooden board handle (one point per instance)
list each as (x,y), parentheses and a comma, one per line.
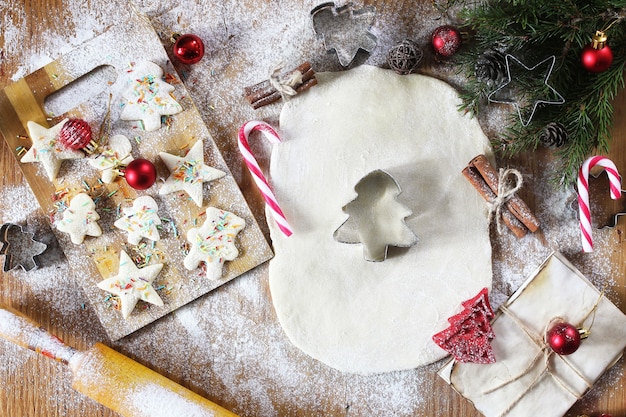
(134,390)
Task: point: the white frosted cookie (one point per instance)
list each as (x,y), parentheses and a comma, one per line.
(132,284)
(47,149)
(80,219)
(113,156)
(147,96)
(214,242)
(140,220)
(368,317)
(188,173)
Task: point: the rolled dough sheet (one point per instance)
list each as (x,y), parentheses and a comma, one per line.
(371,317)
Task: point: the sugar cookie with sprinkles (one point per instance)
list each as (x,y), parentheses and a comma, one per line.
(140,220)
(112,157)
(132,284)
(80,219)
(147,96)
(188,173)
(214,242)
(47,149)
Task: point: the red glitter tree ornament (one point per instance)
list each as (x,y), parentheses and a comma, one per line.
(76,134)
(469,336)
(140,174)
(597,56)
(189,49)
(564,338)
(446,40)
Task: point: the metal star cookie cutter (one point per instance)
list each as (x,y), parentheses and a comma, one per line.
(515,102)
(344,29)
(19,248)
(376,217)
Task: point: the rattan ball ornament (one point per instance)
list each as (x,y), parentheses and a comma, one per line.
(404,57)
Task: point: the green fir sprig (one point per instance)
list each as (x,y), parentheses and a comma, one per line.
(531,30)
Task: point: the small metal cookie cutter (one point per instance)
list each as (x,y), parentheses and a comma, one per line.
(376,218)
(344,29)
(19,248)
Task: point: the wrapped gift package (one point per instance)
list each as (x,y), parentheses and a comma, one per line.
(528,377)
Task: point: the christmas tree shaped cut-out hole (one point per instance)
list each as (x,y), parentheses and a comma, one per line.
(376,218)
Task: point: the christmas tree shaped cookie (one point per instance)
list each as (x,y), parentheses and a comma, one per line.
(47,149)
(147,96)
(132,284)
(469,335)
(188,173)
(376,218)
(113,156)
(140,220)
(80,219)
(214,242)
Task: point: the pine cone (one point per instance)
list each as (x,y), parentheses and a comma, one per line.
(490,66)
(553,135)
(404,57)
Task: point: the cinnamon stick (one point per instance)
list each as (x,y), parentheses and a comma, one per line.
(515,205)
(264,93)
(475,178)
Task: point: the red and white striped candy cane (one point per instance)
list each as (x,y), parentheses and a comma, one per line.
(255,170)
(583,194)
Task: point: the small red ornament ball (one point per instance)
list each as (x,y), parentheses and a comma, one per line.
(75,134)
(446,40)
(189,49)
(563,338)
(596,60)
(140,174)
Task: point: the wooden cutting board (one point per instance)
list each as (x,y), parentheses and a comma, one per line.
(87,82)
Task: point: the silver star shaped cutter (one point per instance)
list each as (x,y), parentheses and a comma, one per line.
(492,98)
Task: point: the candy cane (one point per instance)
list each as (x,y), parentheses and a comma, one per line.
(255,170)
(583,194)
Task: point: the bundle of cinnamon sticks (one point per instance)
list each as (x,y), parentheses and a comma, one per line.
(264,93)
(484,177)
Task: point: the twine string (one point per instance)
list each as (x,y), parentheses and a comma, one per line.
(285,84)
(506,191)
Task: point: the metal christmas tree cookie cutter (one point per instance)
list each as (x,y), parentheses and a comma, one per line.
(376,217)
(19,248)
(344,29)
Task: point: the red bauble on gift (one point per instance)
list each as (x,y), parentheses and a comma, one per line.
(564,338)
(446,40)
(75,134)
(597,56)
(189,49)
(140,174)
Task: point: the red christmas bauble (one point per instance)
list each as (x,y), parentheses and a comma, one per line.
(75,134)
(140,174)
(446,40)
(189,49)
(563,338)
(596,60)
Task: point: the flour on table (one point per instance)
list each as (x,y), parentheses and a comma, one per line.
(359,316)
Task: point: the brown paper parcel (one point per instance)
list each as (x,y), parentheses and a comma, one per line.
(528,378)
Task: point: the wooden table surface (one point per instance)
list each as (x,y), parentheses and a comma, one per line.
(228,345)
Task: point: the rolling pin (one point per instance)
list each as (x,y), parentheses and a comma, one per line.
(108,377)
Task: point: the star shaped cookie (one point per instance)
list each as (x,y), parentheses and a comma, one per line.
(47,149)
(140,220)
(80,219)
(113,156)
(188,173)
(132,284)
(214,242)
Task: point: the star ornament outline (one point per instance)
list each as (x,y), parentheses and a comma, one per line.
(188,173)
(132,284)
(492,97)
